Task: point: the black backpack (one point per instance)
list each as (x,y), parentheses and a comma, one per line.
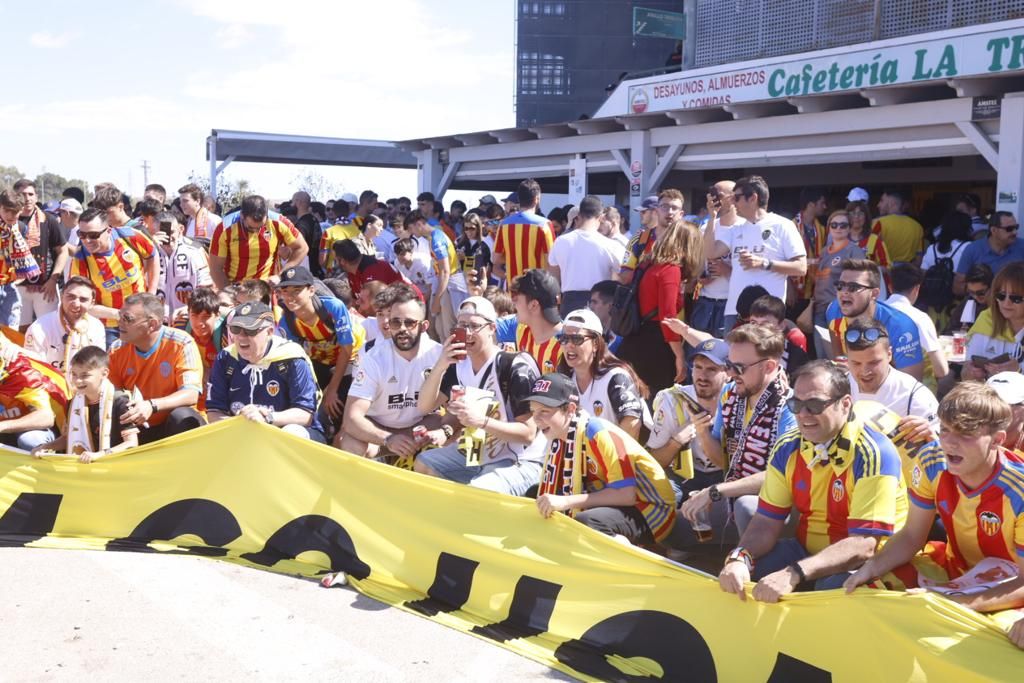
(625,319)
(937,289)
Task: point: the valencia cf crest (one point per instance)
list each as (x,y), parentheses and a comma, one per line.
(708,345)
(549,366)
(989,523)
(273,387)
(598,408)
(838,490)
(765,234)
(245,309)
(290,274)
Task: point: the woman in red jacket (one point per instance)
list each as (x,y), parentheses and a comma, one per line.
(656,352)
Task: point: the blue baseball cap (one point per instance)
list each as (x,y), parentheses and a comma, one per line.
(648,203)
(715,350)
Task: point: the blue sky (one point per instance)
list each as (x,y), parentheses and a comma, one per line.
(101,86)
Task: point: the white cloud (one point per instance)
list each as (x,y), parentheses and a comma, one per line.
(233,36)
(47,40)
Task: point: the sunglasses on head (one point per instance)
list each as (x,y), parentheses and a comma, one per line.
(740,368)
(851,287)
(870,335)
(574,339)
(1014,298)
(814,406)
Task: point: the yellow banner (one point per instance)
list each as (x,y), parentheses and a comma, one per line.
(482,563)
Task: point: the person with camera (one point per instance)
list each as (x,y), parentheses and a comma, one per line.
(183,264)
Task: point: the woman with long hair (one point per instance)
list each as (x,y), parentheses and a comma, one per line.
(994,341)
(838,248)
(655,351)
(369,230)
(609,388)
(871,242)
(473,253)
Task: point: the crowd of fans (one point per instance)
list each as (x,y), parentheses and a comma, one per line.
(779,385)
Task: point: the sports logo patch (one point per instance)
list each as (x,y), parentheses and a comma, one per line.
(708,345)
(273,387)
(765,234)
(660,417)
(598,408)
(990,523)
(915,476)
(245,309)
(542,386)
(291,273)
(838,490)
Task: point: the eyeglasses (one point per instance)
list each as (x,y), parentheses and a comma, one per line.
(870,335)
(670,208)
(851,287)
(978,293)
(814,406)
(1014,298)
(242,332)
(740,368)
(835,225)
(574,339)
(91,235)
(470,328)
(400,323)
(1007,228)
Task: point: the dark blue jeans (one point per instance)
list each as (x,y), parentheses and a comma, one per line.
(786,552)
(708,315)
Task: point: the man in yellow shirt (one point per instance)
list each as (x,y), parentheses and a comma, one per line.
(901,234)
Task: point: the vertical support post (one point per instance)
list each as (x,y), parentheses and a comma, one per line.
(577,179)
(211,150)
(641,167)
(430,170)
(1010,179)
(690,41)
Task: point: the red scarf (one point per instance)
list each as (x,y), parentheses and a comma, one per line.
(32,229)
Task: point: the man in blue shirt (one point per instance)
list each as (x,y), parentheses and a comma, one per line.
(857,297)
(264,378)
(1000,247)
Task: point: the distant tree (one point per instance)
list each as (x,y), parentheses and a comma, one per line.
(9,175)
(230,192)
(319,188)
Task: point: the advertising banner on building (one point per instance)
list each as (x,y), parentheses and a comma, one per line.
(485,564)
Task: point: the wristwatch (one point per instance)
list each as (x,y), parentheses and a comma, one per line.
(767,264)
(714,494)
(741,554)
(269,417)
(448,430)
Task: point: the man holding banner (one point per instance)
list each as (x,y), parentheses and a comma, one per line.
(844,478)
(977,490)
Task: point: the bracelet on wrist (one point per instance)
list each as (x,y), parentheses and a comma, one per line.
(799,572)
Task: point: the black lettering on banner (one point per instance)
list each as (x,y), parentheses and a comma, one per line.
(30,517)
(676,646)
(312,532)
(210,521)
(792,669)
(453,580)
(529,614)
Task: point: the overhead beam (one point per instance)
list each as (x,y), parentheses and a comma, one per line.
(513,135)
(981,142)
(645,122)
(665,164)
(977,87)
(815,105)
(596,126)
(757,110)
(688,117)
(552,132)
(473,139)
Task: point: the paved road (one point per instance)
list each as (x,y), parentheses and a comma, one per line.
(118,616)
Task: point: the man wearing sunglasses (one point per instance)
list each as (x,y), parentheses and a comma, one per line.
(382,410)
(857,297)
(513,448)
(843,477)
(869,350)
(264,378)
(1002,246)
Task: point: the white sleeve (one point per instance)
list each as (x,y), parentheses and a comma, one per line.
(665,423)
(924,404)
(929,335)
(365,382)
(201,268)
(792,244)
(556,249)
(959,255)
(34,338)
(928,260)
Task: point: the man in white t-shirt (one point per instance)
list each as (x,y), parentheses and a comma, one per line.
(183,264)
(381,411)
(57,336)
(509,446)
(874,379)
(709,310)
(907,279)
(767,250)
(414,265)
(201,222)
(582,258)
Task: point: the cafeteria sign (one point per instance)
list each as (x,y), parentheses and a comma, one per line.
(977,54)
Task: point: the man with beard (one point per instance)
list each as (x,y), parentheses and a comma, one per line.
(674,433)
(264,378)
(843,477)
(751,415)
(857,297)
(56,337)
(381,410)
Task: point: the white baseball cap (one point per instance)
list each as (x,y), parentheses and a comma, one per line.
(71,205)
(858,194)
(477,305)
(349,197)
(585,319)
(1009,386)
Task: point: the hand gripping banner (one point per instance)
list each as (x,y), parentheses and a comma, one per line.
(486,564)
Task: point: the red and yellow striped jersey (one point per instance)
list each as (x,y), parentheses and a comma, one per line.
(614,460)
(118,273)
(172,364)
(524,239)
(548,354)
(336,233)
(322,345)
(815,238)
(638,250)
(984,522)
(251,255)
(27,385)
(858,490)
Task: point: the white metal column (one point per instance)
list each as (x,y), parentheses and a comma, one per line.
(577,179)
(1010,181)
